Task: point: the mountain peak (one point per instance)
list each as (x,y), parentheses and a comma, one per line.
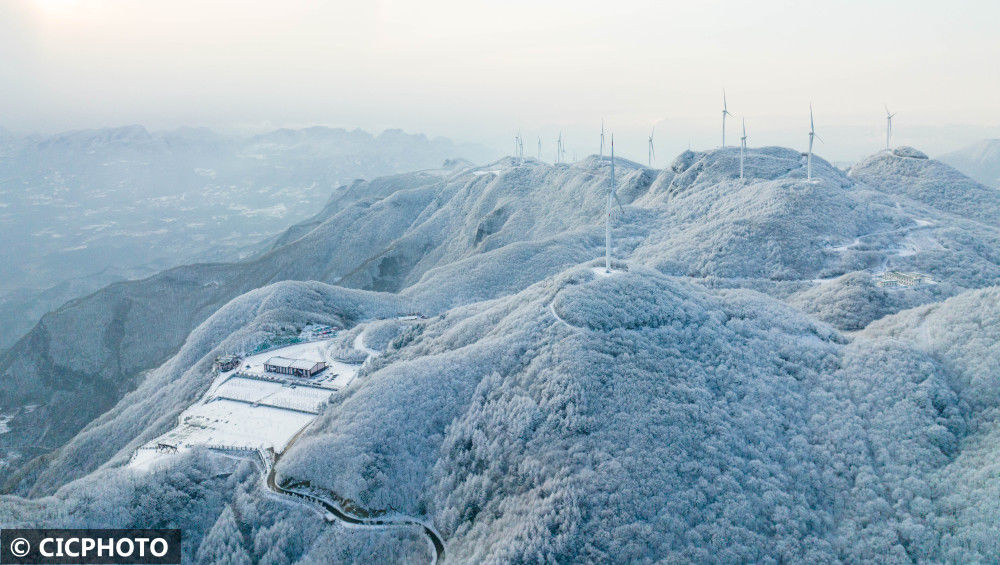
(909,152)
(908,172)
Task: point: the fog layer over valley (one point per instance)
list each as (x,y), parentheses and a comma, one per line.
(82,209)
(776,370)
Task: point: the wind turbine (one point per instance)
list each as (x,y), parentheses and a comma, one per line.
(602,138)
(725,112)
(812,134)
(539,148)
(559,148)
(652,153)
(607,221)
(612,200)
(743,146)
(888,127)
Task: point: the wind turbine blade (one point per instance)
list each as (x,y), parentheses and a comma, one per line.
(617,201)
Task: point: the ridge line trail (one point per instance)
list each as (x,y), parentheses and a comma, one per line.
(552,310)
(920,224)
(598,271)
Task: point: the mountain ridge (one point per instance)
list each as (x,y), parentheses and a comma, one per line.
(813,411)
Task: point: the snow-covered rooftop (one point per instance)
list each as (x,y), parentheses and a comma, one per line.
(290,363)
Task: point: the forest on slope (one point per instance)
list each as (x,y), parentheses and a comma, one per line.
(741,388)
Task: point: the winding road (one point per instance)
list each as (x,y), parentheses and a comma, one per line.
(330,505)
(359,344)
(332,509)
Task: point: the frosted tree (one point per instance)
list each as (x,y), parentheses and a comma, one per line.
(224,543)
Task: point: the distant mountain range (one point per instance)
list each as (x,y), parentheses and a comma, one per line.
(777,370)
(981,161)
(81,209)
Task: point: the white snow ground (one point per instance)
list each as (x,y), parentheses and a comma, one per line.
(918,242)
(231,424)
(281,395)
(240,412)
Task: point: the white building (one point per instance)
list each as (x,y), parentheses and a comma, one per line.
(297,367)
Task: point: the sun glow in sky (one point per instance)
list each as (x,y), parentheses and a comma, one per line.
(478,70)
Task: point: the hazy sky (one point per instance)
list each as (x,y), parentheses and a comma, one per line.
(478,71)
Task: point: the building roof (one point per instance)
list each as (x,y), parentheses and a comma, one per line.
(302,364)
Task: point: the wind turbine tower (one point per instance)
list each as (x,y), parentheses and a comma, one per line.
(602,138)
(725,112)
(539,148)
(559,148)
(607,220)
(888,127)
(743,146)
(651,152)
(812,134)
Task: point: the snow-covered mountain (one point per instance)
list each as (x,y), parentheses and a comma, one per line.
(82,209)
(980,161)
(777,370)
(908,172)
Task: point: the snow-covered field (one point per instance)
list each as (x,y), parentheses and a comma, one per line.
(226,424)
(305,398)
(250,409)
(918,242)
